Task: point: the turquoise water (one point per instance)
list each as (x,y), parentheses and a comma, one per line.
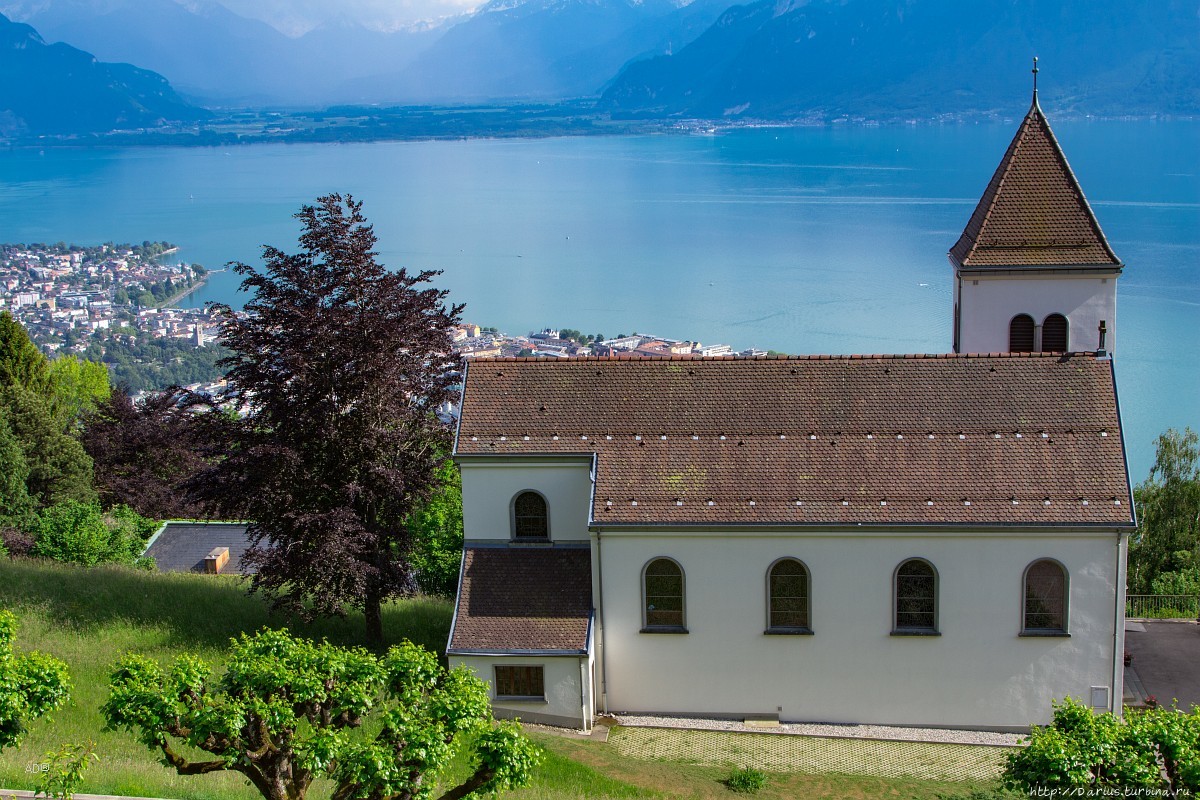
(804,240)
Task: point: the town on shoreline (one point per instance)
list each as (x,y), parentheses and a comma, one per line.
(114,303)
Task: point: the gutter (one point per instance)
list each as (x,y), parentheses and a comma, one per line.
(462,566)
(462,402)
(499,652)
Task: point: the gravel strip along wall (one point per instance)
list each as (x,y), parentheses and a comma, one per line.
(812,754)
(942,735)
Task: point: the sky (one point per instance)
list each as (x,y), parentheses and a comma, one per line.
(294,17)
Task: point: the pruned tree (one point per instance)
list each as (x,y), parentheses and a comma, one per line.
(288,710)
(31,684)
(341,365)
(145,452)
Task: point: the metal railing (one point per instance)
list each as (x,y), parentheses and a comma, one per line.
(1162,606)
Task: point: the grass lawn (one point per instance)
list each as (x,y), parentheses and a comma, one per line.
(90,617)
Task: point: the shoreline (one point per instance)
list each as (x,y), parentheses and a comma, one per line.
(175,298)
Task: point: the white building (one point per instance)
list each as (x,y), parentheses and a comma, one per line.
(908,540)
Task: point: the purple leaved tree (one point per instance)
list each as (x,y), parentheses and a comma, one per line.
(340,365)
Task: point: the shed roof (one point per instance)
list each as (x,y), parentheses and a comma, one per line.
(523,599)
(1006,439)
(182,546)
(1033,213)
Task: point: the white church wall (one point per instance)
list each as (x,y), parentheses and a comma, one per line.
(565,704)
(978,673)
(987,303)
(490,486)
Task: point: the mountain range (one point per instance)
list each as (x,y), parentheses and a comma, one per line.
(921,58)
(58,89)
(507,49)
(769,59)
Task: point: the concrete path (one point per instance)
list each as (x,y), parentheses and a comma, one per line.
(810,754)
(1166,659)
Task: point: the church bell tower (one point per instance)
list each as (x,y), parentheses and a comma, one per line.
(1032,270)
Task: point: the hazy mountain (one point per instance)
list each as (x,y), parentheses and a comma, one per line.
(217,56)
(544,49)
(57,89)
(925,57)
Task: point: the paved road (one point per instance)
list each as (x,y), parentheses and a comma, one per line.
(1166,656)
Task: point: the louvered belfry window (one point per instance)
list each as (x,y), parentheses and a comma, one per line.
(530,517)
(1020,334)
(1054,334)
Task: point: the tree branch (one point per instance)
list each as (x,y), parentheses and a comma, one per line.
(185,767)
(481,776)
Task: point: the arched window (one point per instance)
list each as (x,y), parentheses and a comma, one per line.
(1054,334)
(1045,608)
(1020,334)
(531,519)
(662,596)
(787,597)
(916,598)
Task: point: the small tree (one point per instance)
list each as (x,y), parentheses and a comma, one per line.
(145,452)
(342,365)
(287,709)
(1168,501)
(31,684)
(437,528)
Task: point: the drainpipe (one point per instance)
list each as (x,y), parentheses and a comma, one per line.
(1116,702)
(583,712)
(600,625)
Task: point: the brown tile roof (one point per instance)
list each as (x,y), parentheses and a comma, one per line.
(523,599)
(1033,213)
(1023,439)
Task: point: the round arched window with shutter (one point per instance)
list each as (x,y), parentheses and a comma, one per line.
(1054,334)
(1020,334)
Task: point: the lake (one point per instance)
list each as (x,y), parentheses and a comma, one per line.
(804,240)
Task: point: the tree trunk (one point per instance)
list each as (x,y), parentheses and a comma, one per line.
(373,612)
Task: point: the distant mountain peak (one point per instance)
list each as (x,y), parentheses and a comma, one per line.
(57,89)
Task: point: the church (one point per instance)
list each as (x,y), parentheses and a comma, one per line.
(928,540)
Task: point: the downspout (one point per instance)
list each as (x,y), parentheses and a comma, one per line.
(1122,564)
(583,712)
(603,643)
(599,598)
(1116,702)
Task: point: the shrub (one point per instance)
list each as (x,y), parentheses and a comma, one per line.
(1155,749)
(31,684)
(80,533)
(747,781)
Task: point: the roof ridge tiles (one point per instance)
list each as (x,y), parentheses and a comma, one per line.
(786,358)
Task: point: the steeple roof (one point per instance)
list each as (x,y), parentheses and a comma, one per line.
(1033,213)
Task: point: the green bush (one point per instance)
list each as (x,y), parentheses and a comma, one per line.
(80,533)
(1154,749)
(747,781)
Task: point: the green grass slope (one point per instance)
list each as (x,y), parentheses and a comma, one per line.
(91,617)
